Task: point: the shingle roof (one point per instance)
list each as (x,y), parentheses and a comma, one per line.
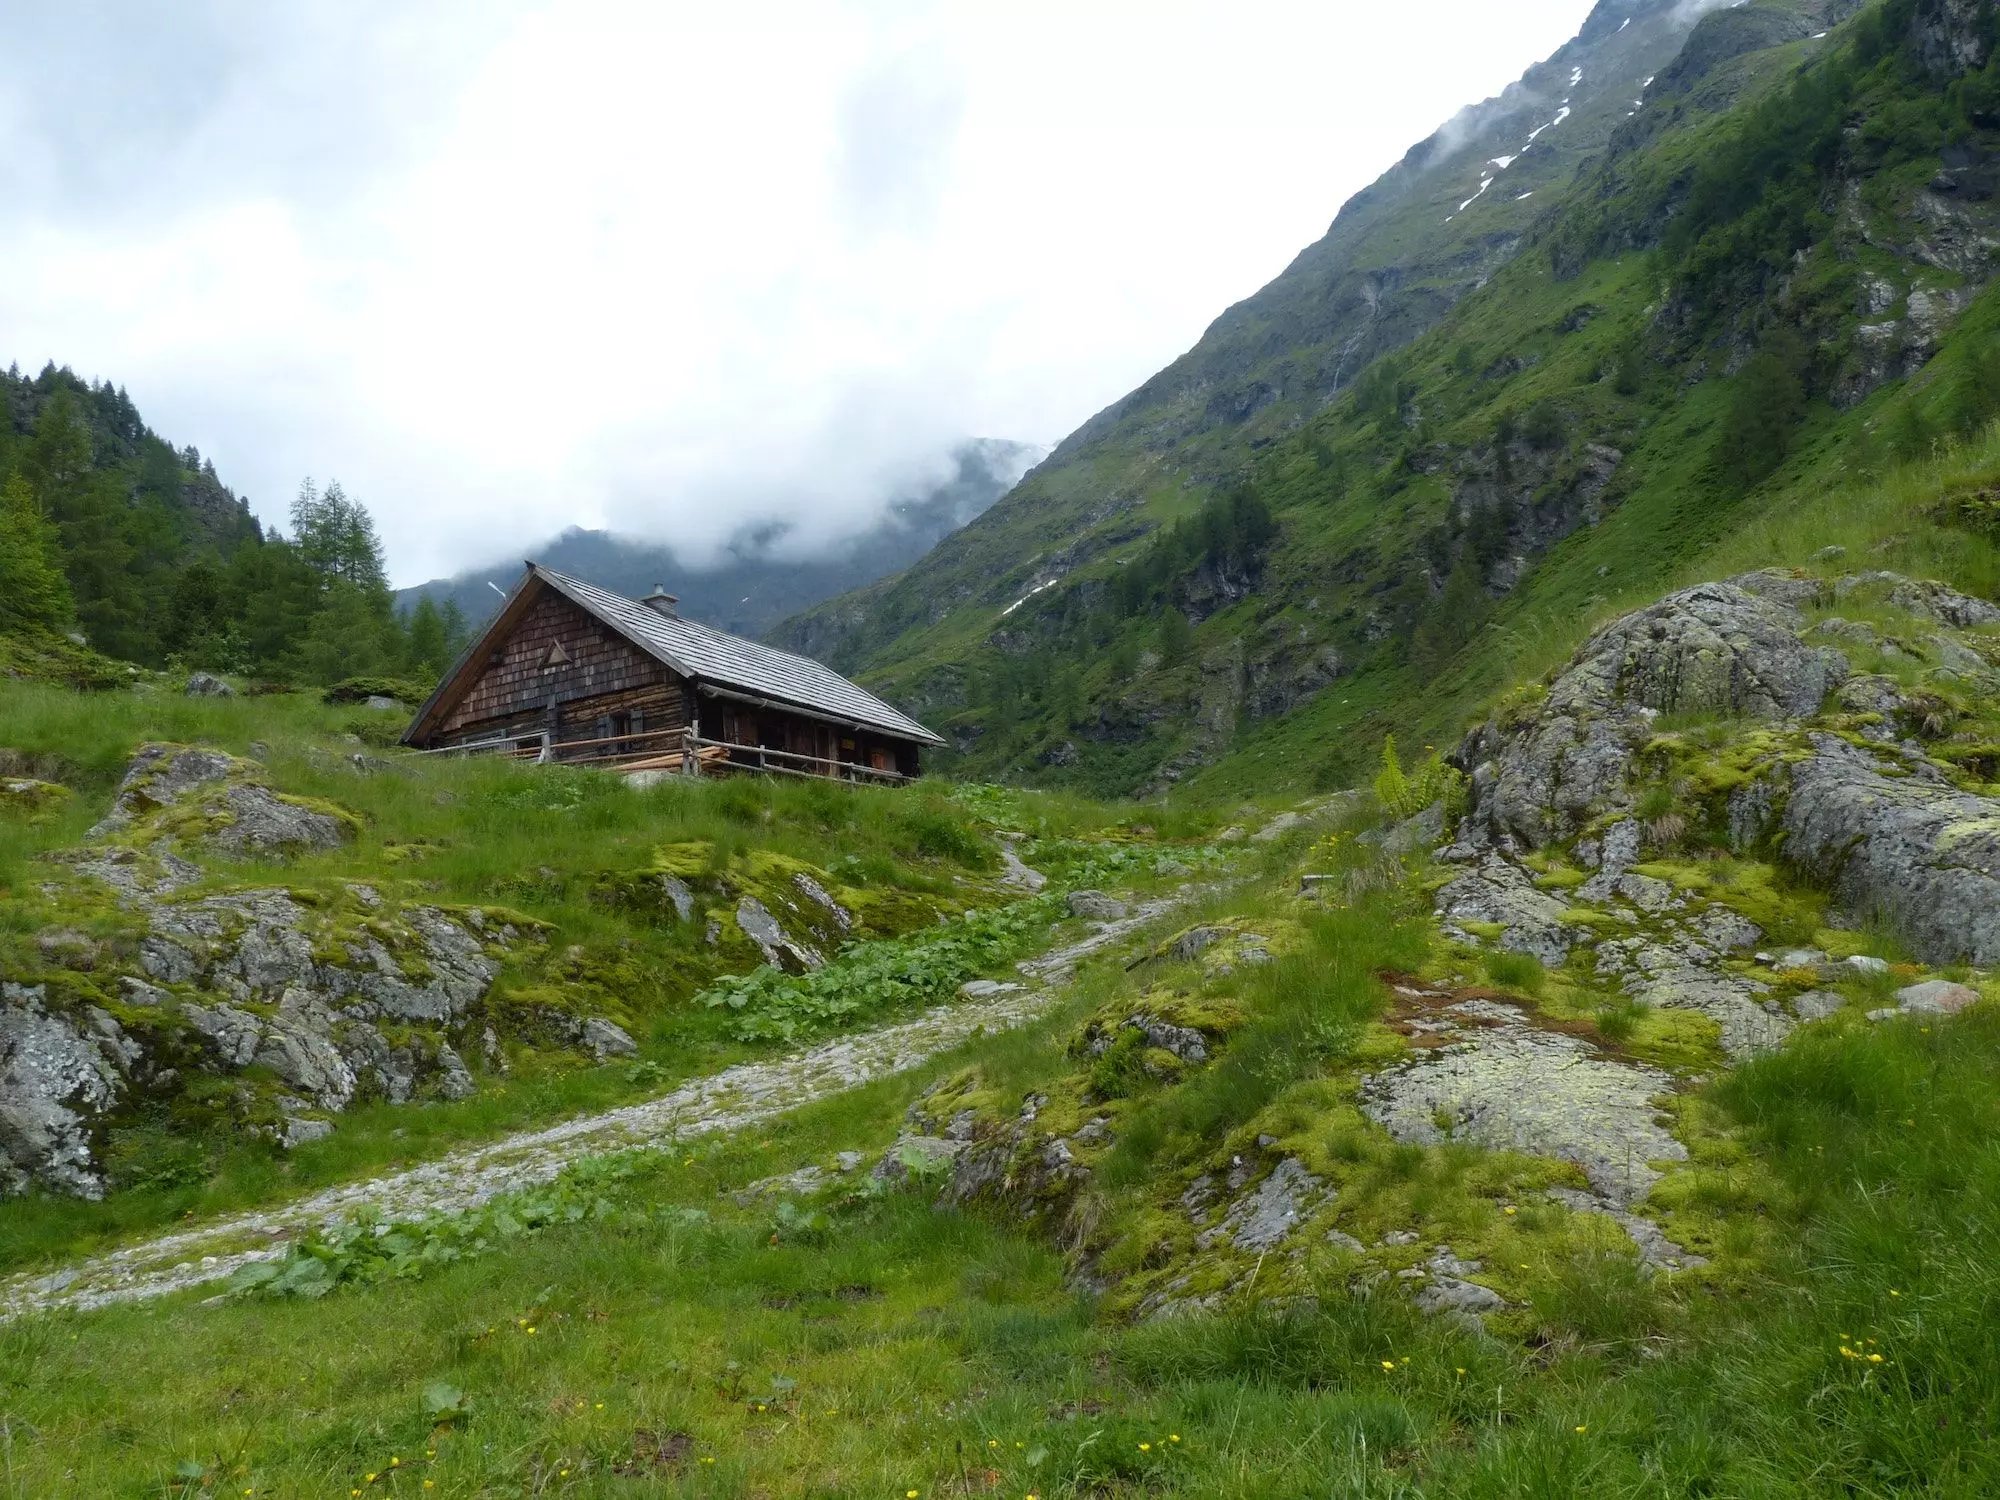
(729,661)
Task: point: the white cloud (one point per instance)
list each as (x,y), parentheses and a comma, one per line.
(504,267)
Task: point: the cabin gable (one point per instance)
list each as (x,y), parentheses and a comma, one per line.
(562,669)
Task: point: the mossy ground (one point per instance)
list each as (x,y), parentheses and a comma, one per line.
(869,1342)
(573,857)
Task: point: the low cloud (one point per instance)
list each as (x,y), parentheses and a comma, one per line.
(505,266)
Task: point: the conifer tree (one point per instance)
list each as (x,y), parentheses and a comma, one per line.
(33,591)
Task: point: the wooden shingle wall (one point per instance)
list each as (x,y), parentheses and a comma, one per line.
(559,652)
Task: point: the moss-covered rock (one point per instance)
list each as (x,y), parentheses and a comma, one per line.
(30,801)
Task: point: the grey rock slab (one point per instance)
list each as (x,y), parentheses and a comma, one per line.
(915,1153)
(207,685)
(1716,647)
(1817,1005)
(779,950)
(158,776)
(986,989)
(54,1079)
(264,825)
(1946,605)
(605,1040)
(676,891)
(1095,905)
(1278,827)
(1014,873)
(1498,891)
(1509,1086)
(1269,1212)
(821,897)
(1937,997)
(1190,945)
(1446,1290)
(1922,854)
(1680,974)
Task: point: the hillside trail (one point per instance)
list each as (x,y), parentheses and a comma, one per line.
(736,1098)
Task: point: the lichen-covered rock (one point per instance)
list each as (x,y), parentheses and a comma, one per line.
(1266,1215)
(1717,647)
(1918,852)
(343,998)
(1445,1288)
(1095,905)
(780,950)
(606,1040)
(1937,997)
(1504,1084)
(205,799)
(207,685)
(55,1080)
(1498,893)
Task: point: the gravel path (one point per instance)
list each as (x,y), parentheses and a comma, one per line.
(733,1099)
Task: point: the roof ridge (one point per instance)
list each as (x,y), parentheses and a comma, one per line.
(699,650)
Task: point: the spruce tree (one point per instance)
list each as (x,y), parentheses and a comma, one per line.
(33,590)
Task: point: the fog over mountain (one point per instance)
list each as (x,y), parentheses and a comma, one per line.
(764,572)
(513,266)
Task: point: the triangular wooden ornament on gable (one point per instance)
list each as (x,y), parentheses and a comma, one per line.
(557,657)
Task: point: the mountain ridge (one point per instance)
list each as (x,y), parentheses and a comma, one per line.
(1526,368)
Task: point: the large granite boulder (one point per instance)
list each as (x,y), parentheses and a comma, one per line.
(1911,849)
(1718,648)
(1836,777)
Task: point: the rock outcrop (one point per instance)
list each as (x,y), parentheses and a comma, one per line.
(1717,648)
(199,798)
(1841,782)
(1900,845)
(308,1009)
(260,1008)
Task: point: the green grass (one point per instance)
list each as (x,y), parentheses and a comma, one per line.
(561,846)
(908,1347)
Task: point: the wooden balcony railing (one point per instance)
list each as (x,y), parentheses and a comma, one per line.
(670,750)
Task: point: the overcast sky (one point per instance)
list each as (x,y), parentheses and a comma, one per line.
(503,267)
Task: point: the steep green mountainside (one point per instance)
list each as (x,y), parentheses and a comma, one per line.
(759,578)
(1757,276)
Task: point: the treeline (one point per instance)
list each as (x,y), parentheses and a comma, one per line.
(108,530)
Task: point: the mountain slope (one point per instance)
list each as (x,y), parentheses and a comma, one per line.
(759,581)
(1603,368)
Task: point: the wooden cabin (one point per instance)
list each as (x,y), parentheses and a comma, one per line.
(570,672)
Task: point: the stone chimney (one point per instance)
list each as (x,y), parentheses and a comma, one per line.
(661,600)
